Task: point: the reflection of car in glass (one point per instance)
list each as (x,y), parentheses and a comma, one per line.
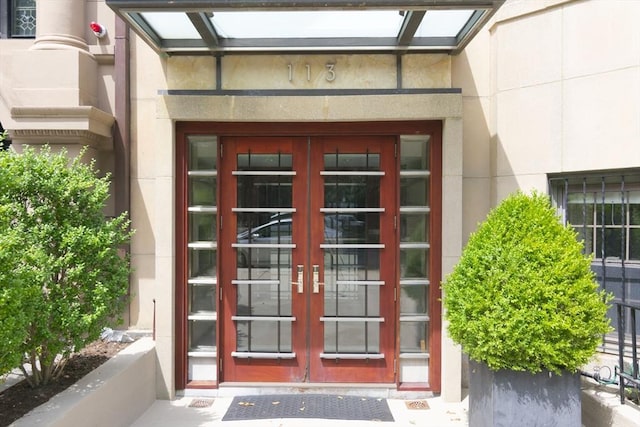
(272,233)
(349,225)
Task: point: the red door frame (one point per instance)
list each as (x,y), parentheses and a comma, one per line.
(221,129)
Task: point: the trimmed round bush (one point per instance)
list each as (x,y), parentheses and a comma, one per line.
(523,296)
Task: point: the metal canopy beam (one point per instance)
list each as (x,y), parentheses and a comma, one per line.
(409,27)
(204,27)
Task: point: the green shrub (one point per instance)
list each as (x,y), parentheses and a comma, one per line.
(15,307)
(523,296)
(62,276)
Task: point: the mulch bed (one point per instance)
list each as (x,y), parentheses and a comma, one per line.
(20,398)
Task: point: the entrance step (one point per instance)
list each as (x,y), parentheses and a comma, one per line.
(232,389)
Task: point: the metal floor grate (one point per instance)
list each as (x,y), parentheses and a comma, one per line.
(201,403)
(416,404)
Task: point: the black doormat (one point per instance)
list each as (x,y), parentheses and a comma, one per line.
(326,406)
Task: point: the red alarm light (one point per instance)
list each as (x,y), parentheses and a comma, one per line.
(98,29)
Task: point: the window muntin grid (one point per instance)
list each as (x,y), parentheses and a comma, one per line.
(414,248)
(202,271)
(23,18)
(608,222)
(604,209)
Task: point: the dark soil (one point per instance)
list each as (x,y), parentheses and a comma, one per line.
(20,398)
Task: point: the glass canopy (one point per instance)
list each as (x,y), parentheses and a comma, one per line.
(245,26)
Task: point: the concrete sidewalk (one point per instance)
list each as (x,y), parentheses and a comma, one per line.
(178,412)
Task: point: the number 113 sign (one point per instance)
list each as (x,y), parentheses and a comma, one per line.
(329,72)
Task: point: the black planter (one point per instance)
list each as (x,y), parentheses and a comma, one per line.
(512,398)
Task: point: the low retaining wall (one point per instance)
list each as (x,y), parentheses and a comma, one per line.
(113,395)
(601,407)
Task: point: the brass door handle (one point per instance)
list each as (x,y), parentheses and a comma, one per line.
(316,279)
(300,282)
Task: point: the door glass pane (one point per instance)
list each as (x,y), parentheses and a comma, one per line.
(264,162)
(359,191)
(263,192)
(264,244)
(260,262)
(350,299)
(264,299)
(264,336)
(356,227)
(351,162)
(347,229)
(351,264)
(352,337)
(263,251)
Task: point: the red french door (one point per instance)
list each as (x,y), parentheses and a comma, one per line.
(307,256)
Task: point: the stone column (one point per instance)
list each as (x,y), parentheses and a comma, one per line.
(60,25)
(56,83)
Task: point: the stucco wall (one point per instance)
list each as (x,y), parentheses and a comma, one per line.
(548,86)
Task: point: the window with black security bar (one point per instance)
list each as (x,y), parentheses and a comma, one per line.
(604,209)
(17,19)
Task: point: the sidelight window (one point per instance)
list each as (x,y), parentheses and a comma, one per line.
(414,258)
(202,250)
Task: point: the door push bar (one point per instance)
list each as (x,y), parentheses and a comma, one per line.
(316,279)
(300,281)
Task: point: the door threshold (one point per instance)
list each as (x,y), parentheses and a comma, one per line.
(233,389)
